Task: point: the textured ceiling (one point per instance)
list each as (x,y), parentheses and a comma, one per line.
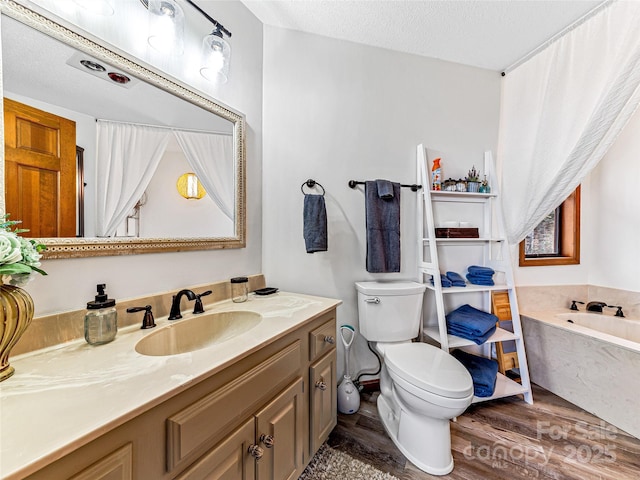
(488,34)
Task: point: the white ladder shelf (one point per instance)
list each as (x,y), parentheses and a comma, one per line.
(490,250)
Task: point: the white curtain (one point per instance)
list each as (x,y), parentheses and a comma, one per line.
(209,154)
(562,110)
(127,157)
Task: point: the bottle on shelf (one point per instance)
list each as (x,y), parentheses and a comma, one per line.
(436,175)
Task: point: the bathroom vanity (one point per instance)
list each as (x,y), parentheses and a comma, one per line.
(257,405)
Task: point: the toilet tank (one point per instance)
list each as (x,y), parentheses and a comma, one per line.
(389,311)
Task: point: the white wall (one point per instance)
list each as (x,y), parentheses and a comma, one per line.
(71,283)
(335,111)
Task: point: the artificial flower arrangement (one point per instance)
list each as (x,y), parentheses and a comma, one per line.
(19,257)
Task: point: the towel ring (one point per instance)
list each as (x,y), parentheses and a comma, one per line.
(311,183)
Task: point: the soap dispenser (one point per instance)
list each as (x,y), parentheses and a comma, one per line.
(101,319)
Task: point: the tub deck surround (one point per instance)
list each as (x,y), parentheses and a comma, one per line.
(594,369)
(65,396)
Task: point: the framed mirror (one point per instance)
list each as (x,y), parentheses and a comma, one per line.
(123,197)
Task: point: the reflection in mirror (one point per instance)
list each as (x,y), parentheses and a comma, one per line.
(136,139)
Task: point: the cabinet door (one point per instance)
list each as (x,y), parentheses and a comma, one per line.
(280,435)
(324,402)
(115,466)
(229,460)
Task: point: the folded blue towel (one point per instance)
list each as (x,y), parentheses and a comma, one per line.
(383,229)
(446,283)
(477,339)
(456,279)
(484,372)
(477,270)
(471,321)
(385,188)
(480,280)
(315,223)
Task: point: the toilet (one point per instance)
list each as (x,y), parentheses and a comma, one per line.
(421,387)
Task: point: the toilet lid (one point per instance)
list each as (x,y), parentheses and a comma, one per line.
(429,368)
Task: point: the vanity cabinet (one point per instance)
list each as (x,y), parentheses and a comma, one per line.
(263,416)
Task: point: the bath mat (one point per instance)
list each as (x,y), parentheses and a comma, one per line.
(330,464)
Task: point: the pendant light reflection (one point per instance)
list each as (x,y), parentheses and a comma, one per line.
(166,27)
(216,53)
(190,187)
(99,7)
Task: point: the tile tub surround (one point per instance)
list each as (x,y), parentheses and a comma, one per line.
(64,397)
(551,297)
(51,330)
(595,371)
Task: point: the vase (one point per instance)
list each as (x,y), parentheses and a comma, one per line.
(16,313)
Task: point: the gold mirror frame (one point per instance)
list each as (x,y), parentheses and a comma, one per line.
(91,247)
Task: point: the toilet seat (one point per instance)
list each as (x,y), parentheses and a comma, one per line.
(430,369)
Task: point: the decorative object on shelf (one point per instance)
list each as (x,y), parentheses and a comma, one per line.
(461,185)
(484,186)
(457,232)
(473,180)
(19,258)
(449,185)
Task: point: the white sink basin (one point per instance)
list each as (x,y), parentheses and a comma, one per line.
(197,332)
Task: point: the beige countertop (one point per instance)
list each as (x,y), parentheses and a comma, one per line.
(64,397)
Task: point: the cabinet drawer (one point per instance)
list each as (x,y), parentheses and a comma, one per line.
(322,339)
(203,423)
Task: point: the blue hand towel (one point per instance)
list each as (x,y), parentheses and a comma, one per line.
(383,229)
(475,323)
(480,280)
(444,281)
(484,372)
(480,271)
(477,339)
(385,188)
(456,279)
(315,223)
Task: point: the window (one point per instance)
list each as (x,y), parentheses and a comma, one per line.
(556,240)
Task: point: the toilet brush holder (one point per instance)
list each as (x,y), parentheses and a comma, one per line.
(348,394)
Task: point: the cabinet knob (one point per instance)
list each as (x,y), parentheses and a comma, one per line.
(330,339)
(267,440)
(255,451)
(321,385)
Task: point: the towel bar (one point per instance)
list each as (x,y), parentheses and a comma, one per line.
(414,187)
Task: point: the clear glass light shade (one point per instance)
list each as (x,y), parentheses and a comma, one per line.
(216,54)
(166,27)
(99,7)
(190,187)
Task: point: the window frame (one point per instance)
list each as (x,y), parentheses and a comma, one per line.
(569,237)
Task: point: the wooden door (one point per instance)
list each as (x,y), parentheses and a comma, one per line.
(279,434)
(323,397)
(40,170)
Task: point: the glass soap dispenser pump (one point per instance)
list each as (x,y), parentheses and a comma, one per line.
(101,319)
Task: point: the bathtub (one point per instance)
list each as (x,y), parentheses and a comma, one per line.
(589,359)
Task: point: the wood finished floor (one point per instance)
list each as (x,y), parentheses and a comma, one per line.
(505,439)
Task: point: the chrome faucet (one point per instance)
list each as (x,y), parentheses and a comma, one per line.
(595,306)
(175,314)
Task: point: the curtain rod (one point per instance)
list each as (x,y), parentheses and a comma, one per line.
(597,9)
(164,127)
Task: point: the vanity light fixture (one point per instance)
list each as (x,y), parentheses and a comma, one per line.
(190,187)
(216,51)
(166,26)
